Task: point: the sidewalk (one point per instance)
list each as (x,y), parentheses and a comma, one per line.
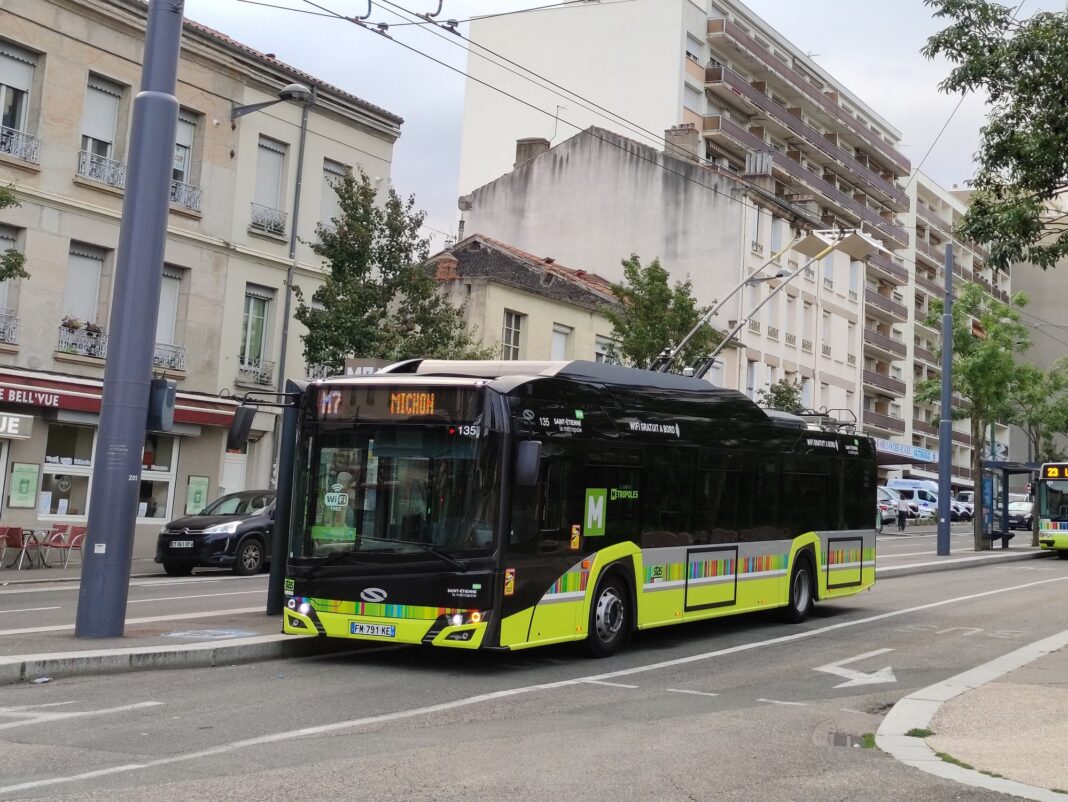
(914,551)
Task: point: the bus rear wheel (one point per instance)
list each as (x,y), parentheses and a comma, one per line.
(610,616)
(802,591)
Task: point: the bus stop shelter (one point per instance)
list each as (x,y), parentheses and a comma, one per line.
(1004,469)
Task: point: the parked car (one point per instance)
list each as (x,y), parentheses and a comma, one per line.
(234,531)
(1021,514)
(886,503)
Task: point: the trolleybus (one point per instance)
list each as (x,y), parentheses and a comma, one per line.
(505,505)
(1052,508)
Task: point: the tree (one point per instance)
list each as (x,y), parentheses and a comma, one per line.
(783,394)
(1023,151)
(654,315)
(378,300)
(987,335)
(12,262)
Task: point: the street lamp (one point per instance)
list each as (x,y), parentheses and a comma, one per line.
(816,245)
(297,93)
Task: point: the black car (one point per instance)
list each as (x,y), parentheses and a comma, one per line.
(234,531)
(1021,514)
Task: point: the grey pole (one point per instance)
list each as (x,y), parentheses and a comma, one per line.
(132,332)
(945,423)
(280,533)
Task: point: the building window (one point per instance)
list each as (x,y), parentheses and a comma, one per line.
(184,137)
(254,326)
(329,206)
(67,470)
(267,214)
(100,117)
(16,80)
(855,272)
(159,465)
(561,344)
(166,320)
(806,393)
(776,234)
(9,241)
(751,378)
(828,271)
(758,213)
(602,349)
(510,334)
(85,264)
(715,373)
(692,99)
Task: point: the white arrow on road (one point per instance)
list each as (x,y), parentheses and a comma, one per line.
(854,677)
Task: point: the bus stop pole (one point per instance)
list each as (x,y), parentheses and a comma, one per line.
(945,423)
(280,532)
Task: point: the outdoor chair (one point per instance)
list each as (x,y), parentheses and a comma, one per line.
(25,542)
(74,543)
(58,539)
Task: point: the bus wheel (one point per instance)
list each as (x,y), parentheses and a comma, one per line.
(609,626)
(802,590)
(1062,554)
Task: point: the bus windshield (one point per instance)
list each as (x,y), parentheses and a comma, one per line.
(396,492)
(1053,499)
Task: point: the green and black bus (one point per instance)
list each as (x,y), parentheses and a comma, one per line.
(504,505)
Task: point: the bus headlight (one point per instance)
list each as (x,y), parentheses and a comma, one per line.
(304,608)
(457,619)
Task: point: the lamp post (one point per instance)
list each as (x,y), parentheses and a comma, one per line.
(816,245)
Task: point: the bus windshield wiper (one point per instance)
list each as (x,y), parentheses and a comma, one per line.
(331,559)
(427,547)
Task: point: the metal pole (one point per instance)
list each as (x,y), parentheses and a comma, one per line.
(280,533)
(945,423)
(132,329)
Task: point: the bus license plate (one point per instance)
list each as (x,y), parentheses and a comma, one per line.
(181,544)
(381,630)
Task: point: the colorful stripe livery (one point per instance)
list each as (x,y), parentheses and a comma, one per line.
(406,611)
(1053,526)
(851,556)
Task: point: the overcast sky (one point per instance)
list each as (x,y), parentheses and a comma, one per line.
(871,47)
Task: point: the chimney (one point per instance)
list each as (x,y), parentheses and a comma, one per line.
(530,148)
(683,142)
(445,267)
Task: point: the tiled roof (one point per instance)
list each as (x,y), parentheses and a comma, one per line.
(293,71)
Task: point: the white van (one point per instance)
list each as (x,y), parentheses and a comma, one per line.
(923,492)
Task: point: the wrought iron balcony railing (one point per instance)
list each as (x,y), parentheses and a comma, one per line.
(169,356)
(83,342)
(19,144)
(268,220)
(255,372)
(9,327)
(318,372)
(106,171)
(186,195)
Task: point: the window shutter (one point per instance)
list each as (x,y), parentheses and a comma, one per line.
(101,114)
(83,285)
(269,174)
(168,307)
(16,71)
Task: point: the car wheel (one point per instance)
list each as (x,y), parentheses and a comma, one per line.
(249,557)
(609,626)
(177,569)
(802,590)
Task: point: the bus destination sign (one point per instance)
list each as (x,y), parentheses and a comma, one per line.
(1055,470)
(408,403)
(393,403)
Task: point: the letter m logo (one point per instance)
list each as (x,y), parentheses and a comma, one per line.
(595,511)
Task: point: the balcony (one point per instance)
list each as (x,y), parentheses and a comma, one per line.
(932,218)
(791,339)
(825,349)
(738,140)
(890,385)
(186,195)
(885,343)
(753,326)
(256,371)
(891,271)
(887,423)
(806,345)
(924,427)
(82,342)
(268,220)
(169,357)
(963,473)
(730,86)
(724,28)
(929,285)
(97,168)
(875,300)
(962,438)
(9,327)
(926,356)
(19,144)
(314,372)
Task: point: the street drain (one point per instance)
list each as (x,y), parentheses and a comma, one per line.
(846,740)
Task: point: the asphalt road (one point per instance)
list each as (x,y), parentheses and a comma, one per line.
(742,708)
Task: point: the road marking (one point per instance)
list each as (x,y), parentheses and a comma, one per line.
(777,702)
(610,684)
(854,677)
(34,707)
(467,701)
(48,718)
(695,693)
(153,619)
(44,586)
(198,596)
(30,609)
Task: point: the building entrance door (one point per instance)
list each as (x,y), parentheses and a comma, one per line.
(233,472)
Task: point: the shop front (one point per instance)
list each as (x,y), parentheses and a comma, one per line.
(48,432)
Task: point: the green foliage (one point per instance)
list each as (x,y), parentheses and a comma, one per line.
(783,394)
(1039,403)
(654,315)
(12,262)
(378,300)
(987,336)
(920,732)
(1023,154)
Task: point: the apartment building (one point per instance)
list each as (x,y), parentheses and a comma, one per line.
(69,70)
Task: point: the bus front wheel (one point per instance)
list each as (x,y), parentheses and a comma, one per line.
(610,616)
(802,591)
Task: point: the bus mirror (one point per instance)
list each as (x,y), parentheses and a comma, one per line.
(240,426)
(527,462)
